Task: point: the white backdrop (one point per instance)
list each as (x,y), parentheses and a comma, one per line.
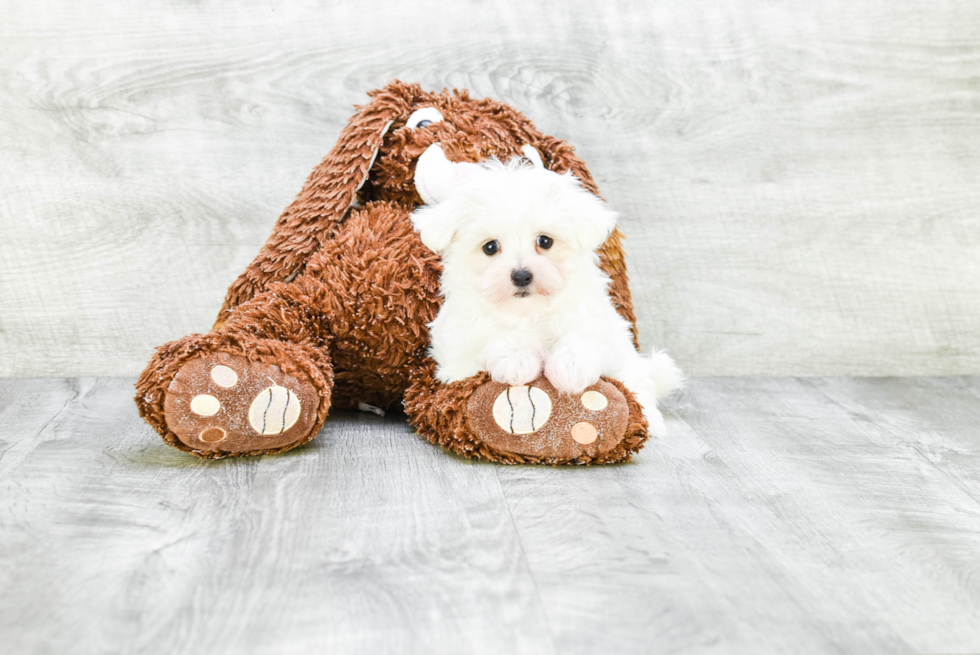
(799,182)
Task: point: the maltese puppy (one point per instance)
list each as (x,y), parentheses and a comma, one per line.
(523,289)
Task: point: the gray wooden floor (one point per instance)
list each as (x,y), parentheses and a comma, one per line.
(781,515)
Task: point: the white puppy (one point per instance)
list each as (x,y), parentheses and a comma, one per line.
(523,288)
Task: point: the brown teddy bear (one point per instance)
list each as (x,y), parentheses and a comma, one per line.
(334,311)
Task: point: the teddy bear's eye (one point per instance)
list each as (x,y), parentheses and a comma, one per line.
(424,117)
(545,242)
(491,248)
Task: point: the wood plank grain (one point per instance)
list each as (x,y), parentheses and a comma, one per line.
(104,529)
(375,542)
(770,519)
(874,535)
(938,418)
(368,540)
(28,410)
(798,183)
(779,515)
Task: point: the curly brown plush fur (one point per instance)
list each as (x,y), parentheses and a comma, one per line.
(340,295)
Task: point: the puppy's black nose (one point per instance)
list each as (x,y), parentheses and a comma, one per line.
(521,277)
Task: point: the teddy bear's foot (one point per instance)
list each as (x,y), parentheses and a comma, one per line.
(220,404)
(537,423)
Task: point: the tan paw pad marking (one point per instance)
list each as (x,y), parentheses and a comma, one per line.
(224,376)
(522,410)
(584,433)
(205,405)
(274,410)
(212,435)
(594,400)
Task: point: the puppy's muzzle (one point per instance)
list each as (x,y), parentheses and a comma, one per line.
(521,277)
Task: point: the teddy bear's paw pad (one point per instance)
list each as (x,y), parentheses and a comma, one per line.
(221,402)
(539,421)
(521,410)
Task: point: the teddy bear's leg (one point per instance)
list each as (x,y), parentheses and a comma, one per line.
(529,424)
(261,383)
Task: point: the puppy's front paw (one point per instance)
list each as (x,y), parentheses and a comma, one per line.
(570,374)
(515,368)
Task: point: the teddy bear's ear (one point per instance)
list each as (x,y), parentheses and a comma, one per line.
(326,197)
(436,177)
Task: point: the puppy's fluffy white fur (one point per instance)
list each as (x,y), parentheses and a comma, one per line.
(563,322)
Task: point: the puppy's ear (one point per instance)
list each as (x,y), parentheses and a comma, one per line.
(591,218)
(437,224)
(559,156)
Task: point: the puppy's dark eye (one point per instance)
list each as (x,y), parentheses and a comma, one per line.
(424,124)
(545,242)
(491,248)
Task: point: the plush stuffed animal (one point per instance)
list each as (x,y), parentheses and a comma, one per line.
(333,311)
